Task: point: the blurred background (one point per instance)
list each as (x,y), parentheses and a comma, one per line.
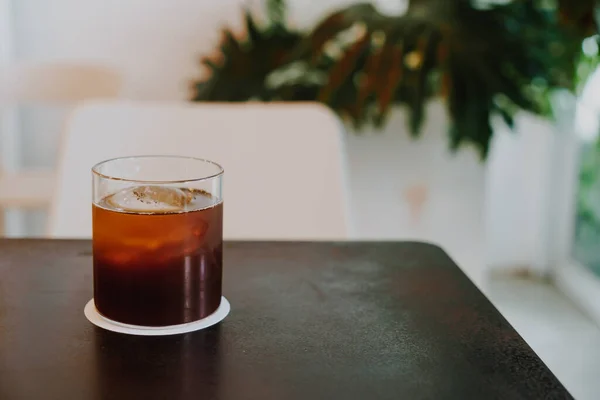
(471,124)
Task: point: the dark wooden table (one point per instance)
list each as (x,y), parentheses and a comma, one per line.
(308,321)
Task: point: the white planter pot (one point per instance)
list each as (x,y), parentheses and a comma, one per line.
(521,201)
(406,189)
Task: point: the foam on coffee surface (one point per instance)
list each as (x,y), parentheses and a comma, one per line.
(157,200)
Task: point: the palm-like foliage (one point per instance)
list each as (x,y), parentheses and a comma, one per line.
(361,62)
(240,66)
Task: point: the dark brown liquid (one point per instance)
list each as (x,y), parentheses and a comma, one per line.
(158,268)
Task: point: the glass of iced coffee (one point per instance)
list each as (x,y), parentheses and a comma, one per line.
(157,239)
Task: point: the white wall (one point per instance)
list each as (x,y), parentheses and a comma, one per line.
(156,45)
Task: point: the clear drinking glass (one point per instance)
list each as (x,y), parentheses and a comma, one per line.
(157,239)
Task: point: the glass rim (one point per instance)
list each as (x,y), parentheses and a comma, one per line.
(95,170)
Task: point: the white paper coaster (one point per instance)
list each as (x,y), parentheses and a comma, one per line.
(99,320)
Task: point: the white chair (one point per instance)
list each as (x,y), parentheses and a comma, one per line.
(48,84)
(284,163)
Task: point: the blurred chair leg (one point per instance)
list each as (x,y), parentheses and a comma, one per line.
(2,222)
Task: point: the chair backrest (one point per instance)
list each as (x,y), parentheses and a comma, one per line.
(56,83)
(284,163)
